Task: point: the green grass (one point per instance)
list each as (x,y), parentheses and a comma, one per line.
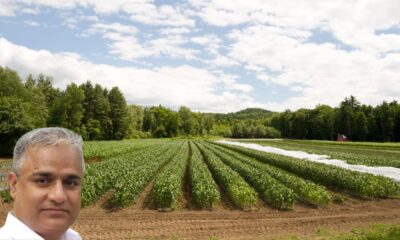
(374,232)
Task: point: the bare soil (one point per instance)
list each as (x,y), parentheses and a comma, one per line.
(139,222)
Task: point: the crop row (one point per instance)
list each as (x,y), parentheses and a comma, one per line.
(242,175)
(204,190)
(167,188)
(360,184)
(306,191)
(108,149)
(365,154)
(272,191)
(237,189)
(100,177)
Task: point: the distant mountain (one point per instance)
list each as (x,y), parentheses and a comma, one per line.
(251,113)
(248,113)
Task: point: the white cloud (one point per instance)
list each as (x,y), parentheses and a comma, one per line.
(222,61)
(211,41)
(267,38)
(171,46)
(33,11)
(64,4)
(175,30)
(127,46)
(170,86)
(353,23)
(326,74)
(113,27)
(32,23)
(230,83)
(70,22)
(144,11)
(164,15)
(7,8)
(89,18)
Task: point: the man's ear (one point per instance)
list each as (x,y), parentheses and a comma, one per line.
(12,183)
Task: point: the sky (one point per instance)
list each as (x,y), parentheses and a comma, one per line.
(211,55)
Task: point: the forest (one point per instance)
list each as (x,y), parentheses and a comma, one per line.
(98,113)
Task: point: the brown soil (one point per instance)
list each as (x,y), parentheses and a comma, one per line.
(134,222)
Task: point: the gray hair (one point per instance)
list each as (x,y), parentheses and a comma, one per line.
(45,137)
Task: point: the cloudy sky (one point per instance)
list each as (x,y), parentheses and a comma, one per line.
(211,55)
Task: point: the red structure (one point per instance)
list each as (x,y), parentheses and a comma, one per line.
(342,138)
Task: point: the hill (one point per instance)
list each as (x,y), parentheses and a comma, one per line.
(245,114)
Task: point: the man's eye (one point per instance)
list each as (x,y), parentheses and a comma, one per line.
(71,183)
(42,181)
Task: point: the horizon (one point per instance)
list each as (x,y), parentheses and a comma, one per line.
(212,56)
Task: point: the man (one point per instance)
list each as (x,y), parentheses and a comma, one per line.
(45,183)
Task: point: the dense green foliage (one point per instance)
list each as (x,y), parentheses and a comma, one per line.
(237,189)
(357,183)
(271,190)
(168,186)
(198,172)
(137,174)
(98,150)
(98,113)
(306,191)
(373,232)
(101,114)
(93,112)
(357,122)
(126,173)
(204,190)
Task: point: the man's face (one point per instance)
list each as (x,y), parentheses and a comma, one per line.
(47,193)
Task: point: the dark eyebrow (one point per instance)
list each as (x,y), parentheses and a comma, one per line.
(73,177)
(48,175)
(42,174)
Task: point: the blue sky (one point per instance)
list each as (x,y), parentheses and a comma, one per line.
(211,55)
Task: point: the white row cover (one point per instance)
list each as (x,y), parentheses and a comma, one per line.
(390,172)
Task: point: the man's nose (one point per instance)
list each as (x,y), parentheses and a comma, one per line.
(57,192)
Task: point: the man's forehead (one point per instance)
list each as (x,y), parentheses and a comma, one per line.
(60,146)
(50,159)
(53,152)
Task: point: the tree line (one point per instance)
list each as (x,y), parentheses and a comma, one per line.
(98,113)
(358,122)
(92,111)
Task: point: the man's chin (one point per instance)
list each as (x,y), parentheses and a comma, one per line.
(55,224)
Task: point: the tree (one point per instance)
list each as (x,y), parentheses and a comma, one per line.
(345,120)
(73,100)
(37,100)
(135,121)
(89,102)
(300,124)
(101,109)
(186,121)
(14,122)
(45,85)
(385,116)
(161,122)
(321,123)
(209,122)
(360,127)
(118,114)
(22,108)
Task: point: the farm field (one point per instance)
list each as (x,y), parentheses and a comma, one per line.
(196,189)
(365,153)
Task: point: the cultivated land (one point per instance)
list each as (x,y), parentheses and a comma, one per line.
(365,153)
(180,189)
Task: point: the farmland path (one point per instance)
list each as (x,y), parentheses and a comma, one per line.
(266,223)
